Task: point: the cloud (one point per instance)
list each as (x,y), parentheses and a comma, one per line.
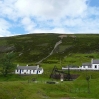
(55,30)
(4,26)
(28,24)
(48,16)
(49,9)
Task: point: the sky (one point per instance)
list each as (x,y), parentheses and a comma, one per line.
(48,16)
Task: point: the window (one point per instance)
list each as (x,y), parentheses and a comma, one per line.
(83,66)
(30,71)
(95,66)
(89,66)
(22,70)
(17,70)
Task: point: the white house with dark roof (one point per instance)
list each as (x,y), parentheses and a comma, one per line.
(93,65)
(86,66)
(29,70)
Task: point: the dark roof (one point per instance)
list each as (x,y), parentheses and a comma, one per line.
(72,66)
(96,61)
(28,67)
(86,64)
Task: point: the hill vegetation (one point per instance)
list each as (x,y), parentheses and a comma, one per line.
(32,48)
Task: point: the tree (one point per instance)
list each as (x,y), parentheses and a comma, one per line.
(6,63)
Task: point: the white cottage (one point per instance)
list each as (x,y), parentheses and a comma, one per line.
(29,70)
(85,66)
(93,65)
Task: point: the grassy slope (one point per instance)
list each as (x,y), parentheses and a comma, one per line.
(32,48)
(40,90)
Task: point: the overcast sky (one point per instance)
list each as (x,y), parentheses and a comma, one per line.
(48,16)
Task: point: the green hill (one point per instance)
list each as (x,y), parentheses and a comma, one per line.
(31,48)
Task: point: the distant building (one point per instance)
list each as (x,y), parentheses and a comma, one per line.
(94,65)
(29,70)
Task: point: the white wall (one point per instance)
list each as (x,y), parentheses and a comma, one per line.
(93,66)
(41,71)
(83,68)
(33,72)
(16,72)
(28,71)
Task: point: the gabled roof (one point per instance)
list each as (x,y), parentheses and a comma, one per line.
(86,64)
(28,67)
(96,61)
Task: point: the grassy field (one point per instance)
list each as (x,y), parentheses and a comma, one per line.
(23,87)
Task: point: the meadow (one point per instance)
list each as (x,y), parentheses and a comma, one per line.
(23,87)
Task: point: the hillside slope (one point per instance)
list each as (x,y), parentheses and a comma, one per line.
(32,48)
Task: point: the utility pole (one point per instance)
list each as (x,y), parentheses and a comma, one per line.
(68,74)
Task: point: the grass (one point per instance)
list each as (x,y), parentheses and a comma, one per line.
(79,58)
(41,90)
(22,87)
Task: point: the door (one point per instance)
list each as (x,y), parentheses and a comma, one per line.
(20,71)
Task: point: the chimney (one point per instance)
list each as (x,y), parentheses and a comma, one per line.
(17,65)
(37,66)
(92,61)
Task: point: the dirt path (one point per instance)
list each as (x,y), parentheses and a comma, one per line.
(56,45)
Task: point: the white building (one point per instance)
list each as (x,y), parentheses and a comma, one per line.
(93,65)
(29,70)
